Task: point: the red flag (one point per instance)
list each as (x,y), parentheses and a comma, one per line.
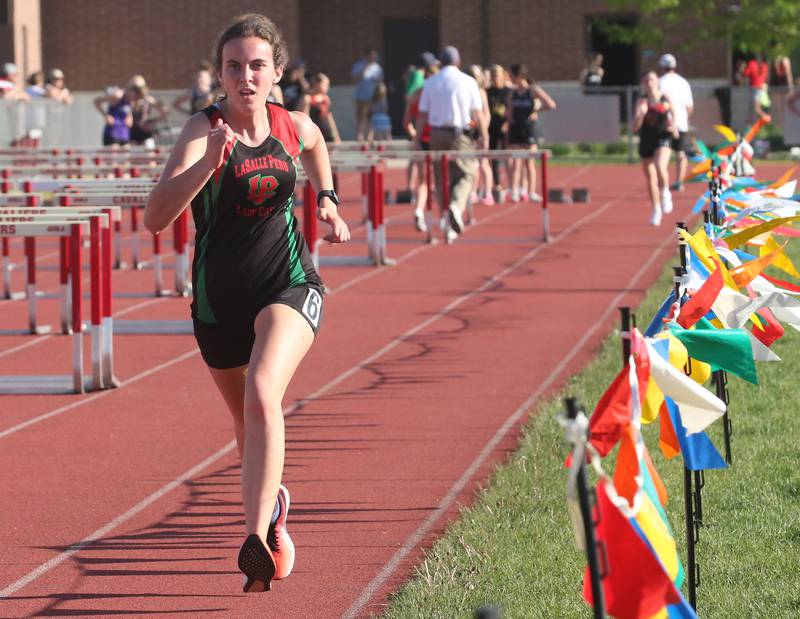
(781,283)
(635,585)
(772,331)
(668,440)
(611,415)
(700,303)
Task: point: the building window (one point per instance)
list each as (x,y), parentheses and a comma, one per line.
(4,12)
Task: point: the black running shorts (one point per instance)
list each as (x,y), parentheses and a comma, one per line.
(225,346)
(681,144)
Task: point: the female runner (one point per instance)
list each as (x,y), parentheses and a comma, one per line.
(654,124)
(257,298)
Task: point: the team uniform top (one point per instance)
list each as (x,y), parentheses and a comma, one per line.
(248,249)
(653,133)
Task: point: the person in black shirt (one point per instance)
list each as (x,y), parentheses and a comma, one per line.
(497,94)
(525,101)
(654,124)
(294,87)
(257,297)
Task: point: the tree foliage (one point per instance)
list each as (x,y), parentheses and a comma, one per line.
(758,26)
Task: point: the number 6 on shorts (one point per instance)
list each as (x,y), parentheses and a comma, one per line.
(313,307)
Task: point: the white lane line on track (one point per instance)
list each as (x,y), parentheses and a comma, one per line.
(61,557)
(96,396)
(356,280)
(137,377)
(391,566)
(104,530)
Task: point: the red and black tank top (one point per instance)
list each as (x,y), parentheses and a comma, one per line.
(656,119)
(248,247)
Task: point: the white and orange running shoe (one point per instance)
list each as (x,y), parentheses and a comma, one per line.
(278,539)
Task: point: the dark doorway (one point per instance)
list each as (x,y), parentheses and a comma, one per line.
(403,42)
(620,60)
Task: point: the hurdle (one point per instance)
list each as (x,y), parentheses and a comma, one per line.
(444,158)
(74,382)
(100,219)
(375,221)
(135,201)
(105,185)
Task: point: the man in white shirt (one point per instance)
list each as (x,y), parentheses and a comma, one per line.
(451,103)
(678,91)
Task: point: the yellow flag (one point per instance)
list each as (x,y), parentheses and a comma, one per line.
(726,132)
(708,256)
(653,398)
(740,238)
(781,261)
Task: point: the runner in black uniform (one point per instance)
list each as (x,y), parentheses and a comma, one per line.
(525,100)
(653,122)
(249,251)
(257,301)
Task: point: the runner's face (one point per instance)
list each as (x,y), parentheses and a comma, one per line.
(248,72)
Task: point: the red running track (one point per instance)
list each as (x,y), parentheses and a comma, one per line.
(127,502)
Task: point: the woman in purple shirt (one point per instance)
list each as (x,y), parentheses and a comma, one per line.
(118,115)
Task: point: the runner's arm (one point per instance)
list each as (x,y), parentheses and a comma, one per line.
(317,166)
(194,158)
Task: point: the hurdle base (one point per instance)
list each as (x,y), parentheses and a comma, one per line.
(153,327)
(346,261)
(14,296)
(41,385)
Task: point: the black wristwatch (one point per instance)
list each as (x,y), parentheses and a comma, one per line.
(328,193)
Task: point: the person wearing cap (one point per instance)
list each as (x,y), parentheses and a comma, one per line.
(430,66)
(55,89)
(677,89)
(451,102)
(9,83)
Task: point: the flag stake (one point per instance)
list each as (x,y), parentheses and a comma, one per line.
(585,501)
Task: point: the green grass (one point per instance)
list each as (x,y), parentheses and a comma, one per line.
(514,547)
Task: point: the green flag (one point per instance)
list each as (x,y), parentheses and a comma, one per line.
(727,349)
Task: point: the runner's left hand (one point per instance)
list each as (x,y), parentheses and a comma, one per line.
(339,232)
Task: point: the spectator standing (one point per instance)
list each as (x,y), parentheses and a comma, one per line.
(55,87)
(199,96)
(366,74)
(497,95)
(451,101)
(654,124)
(35,86)
(483,193)
(9,83)
(319,106)
(525,101)
(781,84)
(294,87)
(380,122)
(756,71)
(592,74)
(678,91)
(118,115)
(146,110)
(430,66)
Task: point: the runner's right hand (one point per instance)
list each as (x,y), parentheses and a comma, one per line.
(218,137)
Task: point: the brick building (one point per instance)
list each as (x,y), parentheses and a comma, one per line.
(97,42)
(102,42)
